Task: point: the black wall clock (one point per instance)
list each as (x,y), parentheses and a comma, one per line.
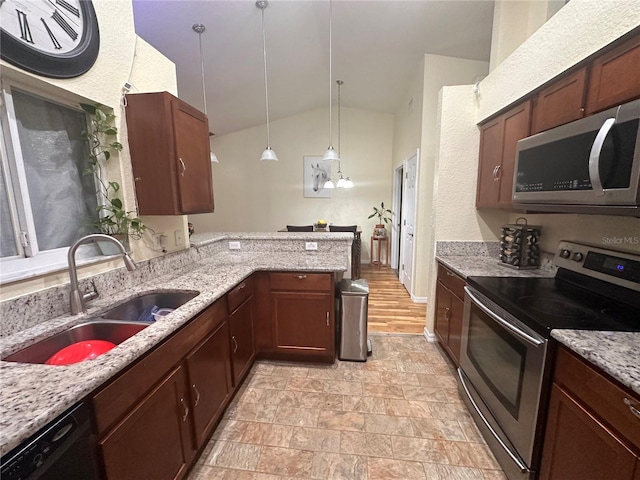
(53,38)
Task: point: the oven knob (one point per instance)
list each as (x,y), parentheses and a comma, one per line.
(564,253)
(578,257)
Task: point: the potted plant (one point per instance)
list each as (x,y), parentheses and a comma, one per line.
(113,219)
(384,215)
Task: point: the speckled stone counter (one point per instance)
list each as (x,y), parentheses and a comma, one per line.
(485,266)
(617,353)
(32,395)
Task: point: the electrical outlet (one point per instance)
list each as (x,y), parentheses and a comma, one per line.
(179,234)
(311,245)
(234,245)
(156,238)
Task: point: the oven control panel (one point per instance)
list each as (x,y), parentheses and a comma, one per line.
(620,268)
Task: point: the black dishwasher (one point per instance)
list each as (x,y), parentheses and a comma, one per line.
(63,449)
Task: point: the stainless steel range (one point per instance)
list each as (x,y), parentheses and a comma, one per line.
(507,356)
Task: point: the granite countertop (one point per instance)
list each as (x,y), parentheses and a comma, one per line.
(32,395)
(487,266)
(617,353)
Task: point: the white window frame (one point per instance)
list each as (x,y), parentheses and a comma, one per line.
(29,261)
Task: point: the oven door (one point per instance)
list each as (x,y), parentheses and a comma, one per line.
(502,365)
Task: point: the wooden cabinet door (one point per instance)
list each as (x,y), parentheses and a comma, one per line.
(443,310)
(578,446)
(154,440)
(490,159)
(561,102)
(209,381)
(455,328)
(243,349)
(615,77)
(516,126)
(191,131)
(303,323)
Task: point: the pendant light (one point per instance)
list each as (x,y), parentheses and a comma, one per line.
(330,154)
(268,153)
(342,182)
(199,29)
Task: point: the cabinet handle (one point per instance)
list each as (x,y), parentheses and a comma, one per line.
(327,319)
(197,400)
(449,274)
(235,344)
(242,285)
(630,404)
(300,277)
(185,410)
(184,167)
(495,171)
(498,174)
(447,313)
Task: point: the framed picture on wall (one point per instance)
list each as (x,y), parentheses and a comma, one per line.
(315,173)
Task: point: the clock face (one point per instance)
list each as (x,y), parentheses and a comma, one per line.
(54,38)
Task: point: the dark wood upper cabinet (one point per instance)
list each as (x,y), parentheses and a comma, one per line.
(498,139)
(615,77)
(559,103)
(170,155)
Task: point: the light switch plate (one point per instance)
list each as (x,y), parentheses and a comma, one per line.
(234,245)
(311,245)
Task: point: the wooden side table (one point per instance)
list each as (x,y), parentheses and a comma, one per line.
(382,242)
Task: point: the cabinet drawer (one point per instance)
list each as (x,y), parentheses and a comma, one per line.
(301,281)
(122,394)
(452,281)
(600,394)
(239,294)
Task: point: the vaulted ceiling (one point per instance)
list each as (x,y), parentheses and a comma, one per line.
(377,48)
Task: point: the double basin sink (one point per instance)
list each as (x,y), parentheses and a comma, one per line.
(115,325)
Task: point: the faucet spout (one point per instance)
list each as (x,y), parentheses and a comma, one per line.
(77,300)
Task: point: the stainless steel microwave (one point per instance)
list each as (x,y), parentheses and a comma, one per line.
(591,165)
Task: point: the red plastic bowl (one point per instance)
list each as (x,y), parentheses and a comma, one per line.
(79,352)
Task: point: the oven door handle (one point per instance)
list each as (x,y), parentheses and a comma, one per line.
(516,459)
(594,157)
(512,328)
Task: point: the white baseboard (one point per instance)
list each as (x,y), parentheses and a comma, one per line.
(415,299)
(431,337)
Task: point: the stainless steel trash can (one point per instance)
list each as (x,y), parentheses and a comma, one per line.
(352,325)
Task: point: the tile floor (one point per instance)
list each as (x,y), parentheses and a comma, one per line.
(397,416)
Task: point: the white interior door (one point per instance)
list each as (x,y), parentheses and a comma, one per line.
(408,220)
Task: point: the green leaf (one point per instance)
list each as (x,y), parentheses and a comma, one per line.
(100,115)
(107,155)
(115,186)
(116,146)
(116,203)
(87,171)
(90,109)
(111,131)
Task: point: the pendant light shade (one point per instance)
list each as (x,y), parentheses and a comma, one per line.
(268,153)
(330,154)
(199,29)
(329,184)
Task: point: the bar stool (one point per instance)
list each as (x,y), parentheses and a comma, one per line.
(382,242)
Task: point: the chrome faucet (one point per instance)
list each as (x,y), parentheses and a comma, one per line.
(77,300)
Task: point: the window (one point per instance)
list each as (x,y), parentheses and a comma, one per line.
(47,202)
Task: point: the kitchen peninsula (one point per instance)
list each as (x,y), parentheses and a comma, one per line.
(32,395)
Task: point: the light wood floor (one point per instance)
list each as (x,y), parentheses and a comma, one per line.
(390,307)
